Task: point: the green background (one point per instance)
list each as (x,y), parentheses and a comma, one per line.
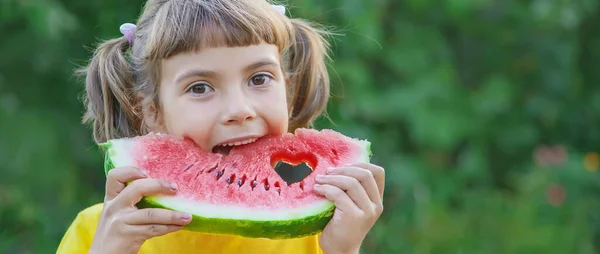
(484,114)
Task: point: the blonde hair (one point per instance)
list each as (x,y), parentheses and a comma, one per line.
(122,78)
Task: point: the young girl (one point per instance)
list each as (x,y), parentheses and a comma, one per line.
(216,72)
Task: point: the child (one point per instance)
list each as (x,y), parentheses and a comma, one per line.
(215,72)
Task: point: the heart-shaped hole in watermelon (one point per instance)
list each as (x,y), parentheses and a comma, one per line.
(293,167)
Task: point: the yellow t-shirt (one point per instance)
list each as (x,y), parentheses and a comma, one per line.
(80,234)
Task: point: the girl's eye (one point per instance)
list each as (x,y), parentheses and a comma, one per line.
(200,89)
(260,80)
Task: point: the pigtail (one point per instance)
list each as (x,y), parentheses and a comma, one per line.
(309,80)
(109,98)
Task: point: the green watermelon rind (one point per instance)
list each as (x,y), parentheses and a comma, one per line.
(284,229)
(273,229)
(108,165)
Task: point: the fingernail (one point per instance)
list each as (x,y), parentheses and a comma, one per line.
(144,173)
(330,170)
(319,177)
(173,186)
(186,216)
(317,186)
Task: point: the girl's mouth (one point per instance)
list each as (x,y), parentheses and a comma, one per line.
(225,147)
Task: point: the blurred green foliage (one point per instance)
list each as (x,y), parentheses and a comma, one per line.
(484,113)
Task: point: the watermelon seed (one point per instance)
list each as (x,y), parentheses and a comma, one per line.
(278,187)
(231,179)
(219,174)
(266,182)
(302,185)
(190,166)
(242,181)
(334,152)
(253,184)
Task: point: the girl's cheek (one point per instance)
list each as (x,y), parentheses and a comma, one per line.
(197,136)
(198,127)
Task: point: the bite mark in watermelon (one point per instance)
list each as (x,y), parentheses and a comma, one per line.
(241,193)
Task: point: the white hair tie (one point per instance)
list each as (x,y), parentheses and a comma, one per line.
(280,9)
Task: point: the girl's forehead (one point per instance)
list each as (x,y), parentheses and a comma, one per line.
(218,61)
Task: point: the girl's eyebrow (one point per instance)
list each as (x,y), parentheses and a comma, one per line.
(261,63)
(195,73)
(211,74)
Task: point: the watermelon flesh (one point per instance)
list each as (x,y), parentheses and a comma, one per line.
(241,193)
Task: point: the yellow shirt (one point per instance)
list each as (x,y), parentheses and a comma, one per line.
(80,234)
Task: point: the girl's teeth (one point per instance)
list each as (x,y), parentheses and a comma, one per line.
(240,142)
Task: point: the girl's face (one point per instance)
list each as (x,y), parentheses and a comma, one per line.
(223,95)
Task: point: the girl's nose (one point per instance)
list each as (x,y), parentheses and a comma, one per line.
(238,109)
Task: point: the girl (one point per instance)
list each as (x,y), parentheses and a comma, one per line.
(216,72)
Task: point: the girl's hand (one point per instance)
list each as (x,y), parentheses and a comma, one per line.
(123,228)
(357,192)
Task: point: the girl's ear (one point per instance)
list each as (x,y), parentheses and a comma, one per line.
(152,119)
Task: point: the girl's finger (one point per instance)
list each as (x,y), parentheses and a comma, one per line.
(352,187)
(149,216)
(378,173)
(153,230)
(341,200)
(365,177)
(136,190)
(118,177)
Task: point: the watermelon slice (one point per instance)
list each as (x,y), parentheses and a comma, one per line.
(241,193)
